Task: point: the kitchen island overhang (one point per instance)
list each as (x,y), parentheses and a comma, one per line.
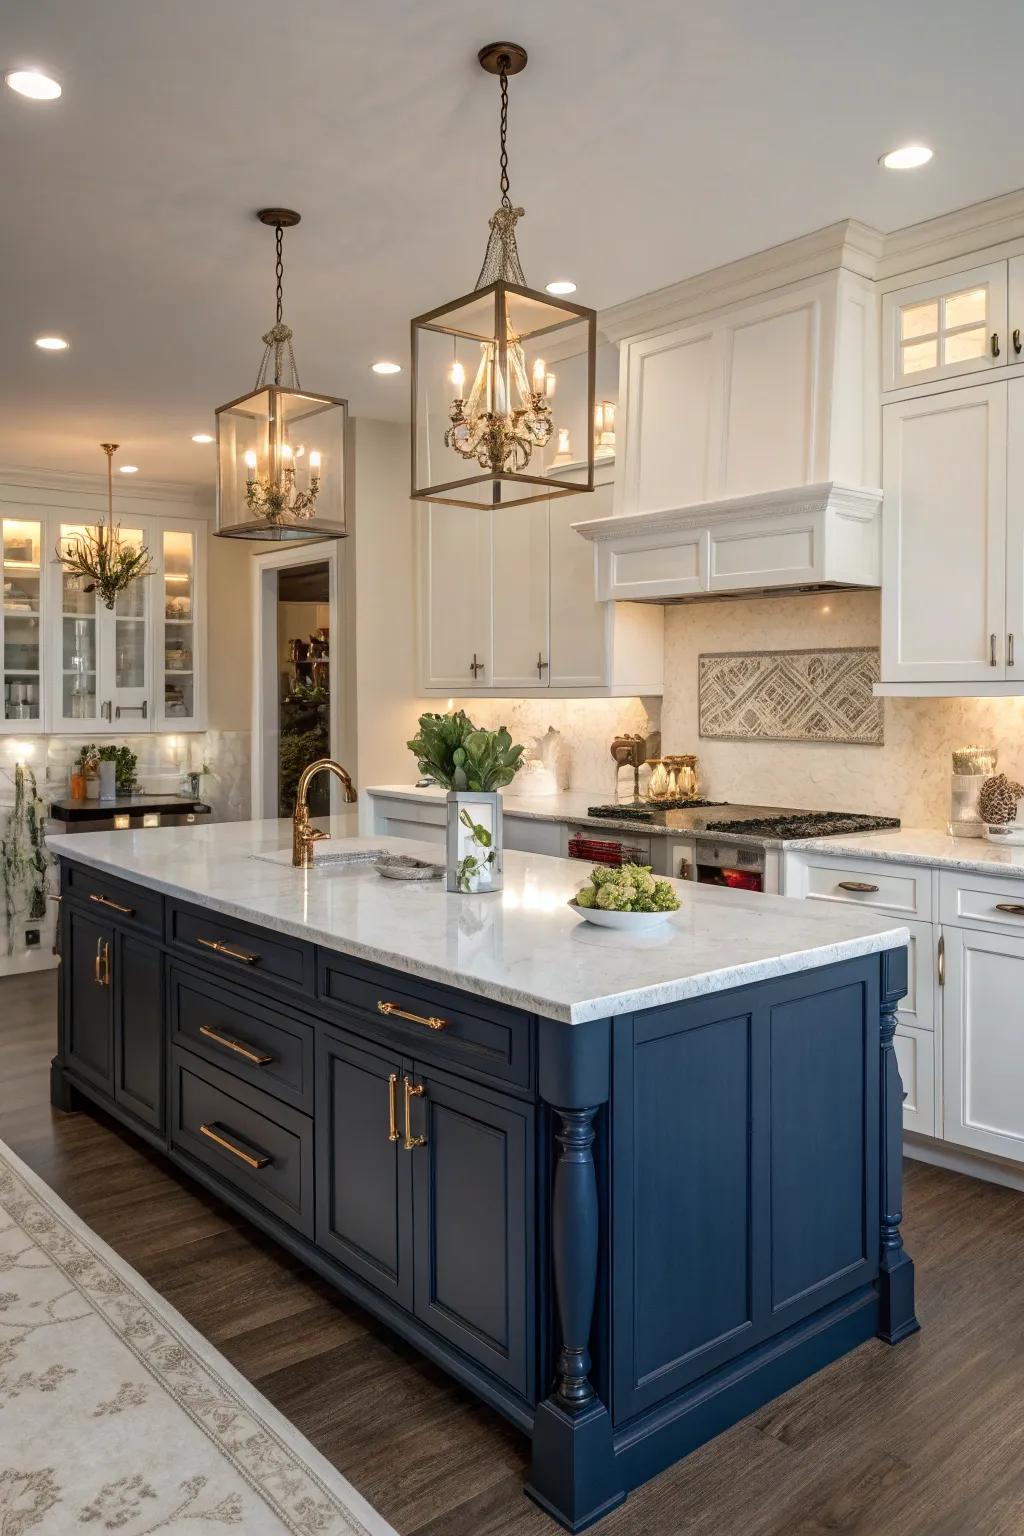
(625,1221)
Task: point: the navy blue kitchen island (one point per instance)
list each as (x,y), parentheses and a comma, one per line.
(622,1191)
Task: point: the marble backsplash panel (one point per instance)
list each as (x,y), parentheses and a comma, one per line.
(907,776)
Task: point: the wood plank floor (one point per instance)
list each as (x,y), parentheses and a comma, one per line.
(923,1440)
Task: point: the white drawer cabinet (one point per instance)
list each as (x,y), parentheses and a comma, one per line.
(979,901)
(983,1041)
(905,890)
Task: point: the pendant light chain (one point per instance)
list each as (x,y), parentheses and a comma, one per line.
(506,201)
(279,269)
(501,258)
(277,342)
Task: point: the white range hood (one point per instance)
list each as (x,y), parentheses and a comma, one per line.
(807,537)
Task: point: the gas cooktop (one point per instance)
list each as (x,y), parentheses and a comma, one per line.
(806,824)
(776,822)
(647,810)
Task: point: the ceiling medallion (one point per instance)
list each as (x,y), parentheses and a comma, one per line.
(99,557)
(478,363)
(281,449)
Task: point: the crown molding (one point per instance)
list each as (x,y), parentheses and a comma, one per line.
(965,231)
(849,244)
(826,495)
(65,484)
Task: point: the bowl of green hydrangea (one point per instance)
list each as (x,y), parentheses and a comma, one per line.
(626,897)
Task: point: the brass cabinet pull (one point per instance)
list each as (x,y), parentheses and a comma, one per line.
(475,666)
(995,343)
(431,1021)
(115,906)
(1017,341)
(1014,908)
(541,664)
(858,885)
(412,1091)
(942,959)
(225,949)
(101,964)
(393,1107)
(1009,650)
(992,651)
(251,1161)
(258,1058)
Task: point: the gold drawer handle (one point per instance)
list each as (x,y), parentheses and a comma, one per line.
(393,1010)
(412,1091)
(393,1134)
(858,885)
(225,949)
(258,1058)
(259,1161)
(1015,908)
(115,906)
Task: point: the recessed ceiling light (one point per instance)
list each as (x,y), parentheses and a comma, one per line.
(906,159)
(387,367)
(128,469)
(29,82)
(202,437)
(52,343)
(562,286)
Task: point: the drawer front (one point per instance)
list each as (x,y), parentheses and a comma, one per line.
(483,1036)
(239,950)
(978,901)
(261,1148)
(915,1053)
(118,900)
(905,889)
(243,1036)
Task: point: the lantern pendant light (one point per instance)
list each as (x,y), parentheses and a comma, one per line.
(99,557)
(281,449)
(483,425)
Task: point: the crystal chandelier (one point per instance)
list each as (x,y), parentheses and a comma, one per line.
(280,449)
(478,362)
(100,557)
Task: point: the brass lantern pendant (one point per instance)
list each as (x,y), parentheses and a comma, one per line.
(281,449)
(480,366)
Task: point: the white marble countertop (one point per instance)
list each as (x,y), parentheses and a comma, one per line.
(524,946)
(910,845)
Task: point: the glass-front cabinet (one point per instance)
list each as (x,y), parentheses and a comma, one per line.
(137,667)
(21,624)
(948,326)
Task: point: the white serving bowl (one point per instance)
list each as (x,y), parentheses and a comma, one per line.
(637,921)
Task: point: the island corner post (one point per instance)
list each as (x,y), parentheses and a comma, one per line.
(583,1461)
(624,1234)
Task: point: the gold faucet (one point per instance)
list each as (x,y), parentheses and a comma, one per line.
(303,835)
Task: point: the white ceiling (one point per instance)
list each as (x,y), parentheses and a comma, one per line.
(649,140)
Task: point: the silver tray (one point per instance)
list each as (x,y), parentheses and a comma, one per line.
(402,866)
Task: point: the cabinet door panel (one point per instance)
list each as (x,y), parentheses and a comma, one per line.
(915,1056)
(473,1201)
(771,366)
(457,554)
(1013,654)
(671,416)
(983,1042)
(364,1183)
(139,1029)
(520,597)
(90,1015)
(945,327)
(579,623)
(944,537)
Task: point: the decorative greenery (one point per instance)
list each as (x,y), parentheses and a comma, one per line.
(298,750)
(630,888)
(106,565)
(475,864)
(23,855)
(457,755)
(127,763)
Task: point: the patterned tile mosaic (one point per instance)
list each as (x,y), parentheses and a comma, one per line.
(814,695)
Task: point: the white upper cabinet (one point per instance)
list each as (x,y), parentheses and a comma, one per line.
(1014,647)
(579,623)
(455,597)
(948,326)
(762,396)
(22,622)
(520,641)
(944,537)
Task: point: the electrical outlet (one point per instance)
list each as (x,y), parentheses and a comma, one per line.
(31,937)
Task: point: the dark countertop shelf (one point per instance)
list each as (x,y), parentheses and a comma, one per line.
(93,810)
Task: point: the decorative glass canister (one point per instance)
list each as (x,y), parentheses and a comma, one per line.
(474,841)
(971,767)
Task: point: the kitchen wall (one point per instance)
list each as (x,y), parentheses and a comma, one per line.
(586,726)
(907,777)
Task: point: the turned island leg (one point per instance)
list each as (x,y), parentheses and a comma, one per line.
(573,1473)
(896,1268)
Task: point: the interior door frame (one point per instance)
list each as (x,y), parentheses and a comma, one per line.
(265,568)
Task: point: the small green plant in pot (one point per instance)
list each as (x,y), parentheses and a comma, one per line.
(473,766)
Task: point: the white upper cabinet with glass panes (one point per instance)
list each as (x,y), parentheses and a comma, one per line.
(21,623)
(947,327)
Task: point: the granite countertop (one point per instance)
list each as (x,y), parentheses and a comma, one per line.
(525,946)
(911,845)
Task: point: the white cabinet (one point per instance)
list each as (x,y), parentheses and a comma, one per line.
(179,627)
(944,536)
(915,1056)
(781,392)
(22,622)
(948,326)
(507,607)
(983,1054)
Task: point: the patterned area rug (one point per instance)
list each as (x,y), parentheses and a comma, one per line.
(115,1415)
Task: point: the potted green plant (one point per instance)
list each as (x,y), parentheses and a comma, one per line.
(473,766)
